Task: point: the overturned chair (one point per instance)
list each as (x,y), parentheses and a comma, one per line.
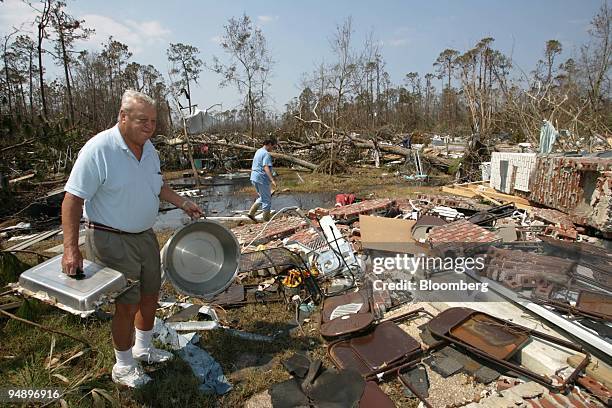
(497,340)
(375,350)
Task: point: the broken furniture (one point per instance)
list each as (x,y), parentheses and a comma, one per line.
(378,352)
(346,314)
(496,340)
(591,305)
(385,348)
(201,259)
(384,351)
(81,295)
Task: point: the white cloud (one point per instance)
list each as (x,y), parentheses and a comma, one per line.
(267,19)
(152,29)
(216,39)
(399,42)
(137,35)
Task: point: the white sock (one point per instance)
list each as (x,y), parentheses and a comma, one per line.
(124,358)
(143,340)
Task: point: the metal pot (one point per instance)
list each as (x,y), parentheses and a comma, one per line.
(201,259)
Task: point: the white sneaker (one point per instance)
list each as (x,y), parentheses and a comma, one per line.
(131,376)
(152,355)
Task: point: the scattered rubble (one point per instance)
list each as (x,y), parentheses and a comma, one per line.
(542,250)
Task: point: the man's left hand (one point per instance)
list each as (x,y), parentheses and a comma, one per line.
(192,209)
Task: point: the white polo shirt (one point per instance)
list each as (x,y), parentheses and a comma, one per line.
(119,191)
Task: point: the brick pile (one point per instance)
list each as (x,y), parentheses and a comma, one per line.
(578,186)
(364,207)
(459,237)
(519,270)
(459,203)
(461,231)
(533,395)
(552,217)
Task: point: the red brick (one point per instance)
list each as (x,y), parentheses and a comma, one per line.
(558,182)
(363,207)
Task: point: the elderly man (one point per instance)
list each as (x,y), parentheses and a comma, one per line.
(261,178)
(117,177)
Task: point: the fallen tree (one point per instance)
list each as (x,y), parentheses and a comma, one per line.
(350,140)
(282,156)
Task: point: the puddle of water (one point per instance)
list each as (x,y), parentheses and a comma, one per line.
(223,199)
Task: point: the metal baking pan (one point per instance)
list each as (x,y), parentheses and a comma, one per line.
(80,295)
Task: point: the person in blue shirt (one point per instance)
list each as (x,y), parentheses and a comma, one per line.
(262,179)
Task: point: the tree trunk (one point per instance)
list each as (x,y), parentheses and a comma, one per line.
(8,85)
(31,84)
(281,156)
(41,75)
(67,75)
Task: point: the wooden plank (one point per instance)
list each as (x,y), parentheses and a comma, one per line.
(460,192)
(471,191)
(10,306)
(22,178)
(596,369)
(486,197)
(471,183)
(59,249)
(40,237)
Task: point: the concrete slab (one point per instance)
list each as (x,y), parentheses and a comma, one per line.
(528,389)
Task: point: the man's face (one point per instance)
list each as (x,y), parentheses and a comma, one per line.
(139,123)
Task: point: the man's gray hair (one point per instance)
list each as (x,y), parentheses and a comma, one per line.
(130,97)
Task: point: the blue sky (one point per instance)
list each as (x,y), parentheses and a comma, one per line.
(412,33)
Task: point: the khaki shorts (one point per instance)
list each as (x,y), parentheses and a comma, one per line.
(136,256)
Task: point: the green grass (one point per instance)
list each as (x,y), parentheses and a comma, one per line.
(24,350)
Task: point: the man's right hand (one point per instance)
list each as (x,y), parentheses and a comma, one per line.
(72,260)
(274,183)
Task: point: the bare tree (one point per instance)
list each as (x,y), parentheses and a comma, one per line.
(596,54)
(6,56)
(68,30)
(344,67)
(250,64)
(42,20)
(185,64)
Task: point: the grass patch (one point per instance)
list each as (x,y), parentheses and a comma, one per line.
(10,268)
(24,351)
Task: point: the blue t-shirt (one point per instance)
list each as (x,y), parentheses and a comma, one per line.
(262,158)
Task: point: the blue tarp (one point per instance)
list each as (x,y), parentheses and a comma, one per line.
(548,137)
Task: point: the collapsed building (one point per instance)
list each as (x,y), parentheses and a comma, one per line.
(579,186)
